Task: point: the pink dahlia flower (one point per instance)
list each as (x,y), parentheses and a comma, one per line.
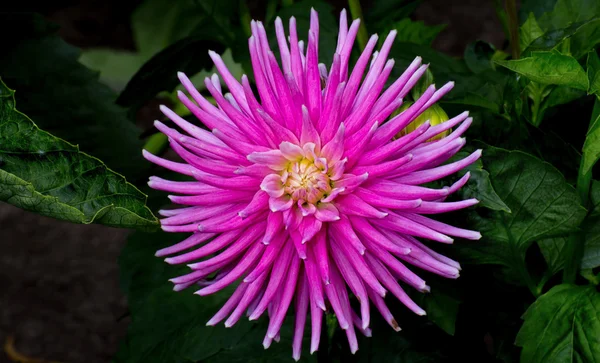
(305,192)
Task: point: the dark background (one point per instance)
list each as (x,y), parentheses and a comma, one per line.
(60,296)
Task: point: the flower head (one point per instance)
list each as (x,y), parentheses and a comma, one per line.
(305,194)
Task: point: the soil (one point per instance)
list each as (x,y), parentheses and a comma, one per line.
(60,297)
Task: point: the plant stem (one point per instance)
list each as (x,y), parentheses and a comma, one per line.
(286,3)
(356,12)
(513,27)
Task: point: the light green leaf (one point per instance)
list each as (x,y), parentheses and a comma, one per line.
(550,68)
(543,205)
(44,174)
(593,72)
(529,31)
(563,325)
(416,31)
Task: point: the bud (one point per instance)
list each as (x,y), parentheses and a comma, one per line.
(435,114)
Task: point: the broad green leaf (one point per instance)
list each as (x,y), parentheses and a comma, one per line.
(441,308)
(550,68)
(563,325)
(552,250)
(44,174)
(593,72)
(567,12)
(542,204)
(529,31)
(576,39)
(416,31)
(64,97)
(479,185)
(591,146)
(169,326)
(574,21)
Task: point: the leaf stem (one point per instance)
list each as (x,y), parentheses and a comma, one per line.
(356,12)
(513,27)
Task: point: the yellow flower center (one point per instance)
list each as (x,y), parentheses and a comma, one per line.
(306,180)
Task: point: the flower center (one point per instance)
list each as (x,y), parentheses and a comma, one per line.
(306,180)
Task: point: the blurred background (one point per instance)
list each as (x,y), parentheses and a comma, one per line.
(60,297)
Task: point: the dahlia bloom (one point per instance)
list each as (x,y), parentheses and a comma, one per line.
(306,193)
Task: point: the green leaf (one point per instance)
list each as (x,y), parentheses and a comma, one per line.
(557,96)
(593,72)
(528,32)
(64,97)
(169,326)
(543,205)
(591,146)
(479,185)
(552,250)
(441,308)
(416,31)
(574,23)
(44,174)
(591,228)
(550,68)
(563,325)
(577,38)
(567,12)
